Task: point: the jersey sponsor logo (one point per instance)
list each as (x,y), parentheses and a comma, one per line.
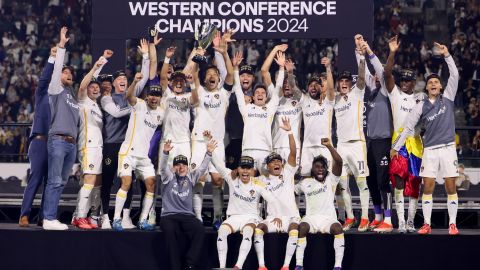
(176,107)
(315,113)
(345,107)
(258,115)
(317,191)
(405,109)
(437,114)
(243,198)
(181,194)
(212,105)
(288,112)
(73,105)
(275,188)
(150,125)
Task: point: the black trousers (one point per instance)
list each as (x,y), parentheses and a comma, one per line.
(378,160)
(180,224)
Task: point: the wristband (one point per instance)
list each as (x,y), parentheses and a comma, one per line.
(371,56)
(166,60)
(290,132)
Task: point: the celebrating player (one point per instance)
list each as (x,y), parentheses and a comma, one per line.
(321,217)
(439,157)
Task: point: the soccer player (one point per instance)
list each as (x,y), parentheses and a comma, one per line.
(90,144)
(319,190)
(351,141)
(243,212)
(379,140)
(133,155)
(177,208)
(62,135)
(37,151)
(289,106)
(280,181)
(116,113)
(210,114)
(405,167)
(439,157)
(258,116)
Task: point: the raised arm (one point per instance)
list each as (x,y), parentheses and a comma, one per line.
(143,49)
(46,75)
(292,156)
(111,108)
(55,87)
(82,90)
(289,68)
(361,73)
(237,88)
(337,159)
(131,97)
(165,172)
(267,80)
(276,93)
(152,53)
(393,44)
(202,169)
(452,84)
(330,82)
(166,65)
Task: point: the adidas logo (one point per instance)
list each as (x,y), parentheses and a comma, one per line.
(247,239)
(427,202)
(365,188)
(256,242)
(342,246)
(219,240)
(453,203)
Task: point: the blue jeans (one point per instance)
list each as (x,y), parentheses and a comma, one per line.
(61,157)
(37,154)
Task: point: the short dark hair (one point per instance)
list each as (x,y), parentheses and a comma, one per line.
(258,86)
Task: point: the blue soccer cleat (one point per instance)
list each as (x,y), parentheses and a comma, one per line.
(117,225)
(145,226)
(298,267)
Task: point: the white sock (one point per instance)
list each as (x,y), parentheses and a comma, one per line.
(83,198)
(399,204)
(364,196)
(222,245)
(147,205)
(301,244)
(452,205)
(259,247)
(245,246)
(339,246)
(96,200)
(198,200)
(347,197)
(217,198)
(412,208)
(291,246)
(119,203)
(427,205)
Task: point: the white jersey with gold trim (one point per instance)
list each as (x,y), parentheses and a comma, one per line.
(402,104)
(91,124)
(177,117)
(319,196)
(349,115)
(317,118)
(290,108)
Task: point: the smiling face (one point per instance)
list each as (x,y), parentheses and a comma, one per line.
(93,91)
(153,101)
(434,87)
(314,89)
(246,81)
(66,77)
(212,78)
(319,171)
(275,167)
(180,169)
(121,84)
(245,173)
(178,85)
(260,96)
(344,86)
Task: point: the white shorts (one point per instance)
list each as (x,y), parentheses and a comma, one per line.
(286,221)
(237,222)
(285,152)
(439,162)
(142,167)
(319,223)
(309,153)
(354,155)
(259,158)
(178,149)
(91,160)
(199,148)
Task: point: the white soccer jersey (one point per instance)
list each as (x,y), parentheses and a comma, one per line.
(176,120)
(257,130)
(283,188)
(210,113)
(349,115)
(402,104)
(91,124)
(141,127)
(317,119)
(319,196)
(287,107)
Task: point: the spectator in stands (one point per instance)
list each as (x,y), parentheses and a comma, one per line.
(463,180)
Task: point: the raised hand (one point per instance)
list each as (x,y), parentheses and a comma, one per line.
(207,135)
(156,39)
(358,41)
(216,40)
(442,49)
(227,36)
(326,62)
(281,47)
(393,153)
(394,44)
(326,142)
(107,54)
(138,77)
(143,47)
(211,145)
(63,37)
(280,59)
(286,124)
(366,48)
(167,147)
(170,52)
(289,65)
(98,64)
(237,59)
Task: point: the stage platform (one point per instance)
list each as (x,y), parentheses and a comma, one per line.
(34,248)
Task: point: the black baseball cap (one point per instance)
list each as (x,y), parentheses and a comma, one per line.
(93,81)
(105,78)
(118,73)
(180,159)
(273,156)
(345,75)
(408,75)
(155,90)
(246,161)
(246,69)
(314,78)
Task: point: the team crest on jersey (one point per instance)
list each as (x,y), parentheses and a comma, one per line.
(184,99)
(91,166)
(108,161)
(125,166)
(294,102)
(217,96)
(252,192)
(264,108)
(158,118)
(193,165)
